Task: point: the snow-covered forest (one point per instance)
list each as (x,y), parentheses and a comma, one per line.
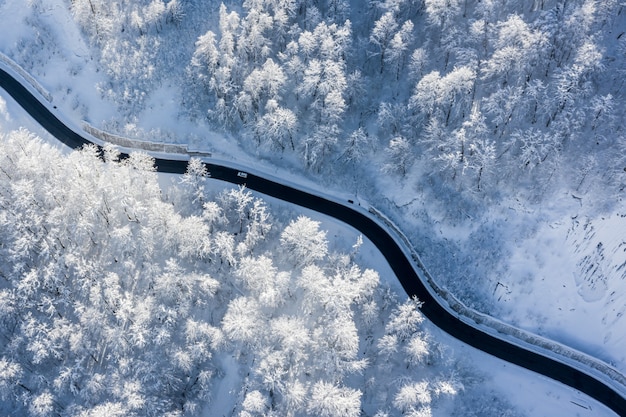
(120,297)
(489,95)
(491,131)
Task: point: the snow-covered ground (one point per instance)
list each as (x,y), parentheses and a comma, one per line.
(573,239)
(555,270)
(61,55)
(585,307)
(531,394)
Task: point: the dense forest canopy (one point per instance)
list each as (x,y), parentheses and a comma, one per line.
(469,89)
(119,297)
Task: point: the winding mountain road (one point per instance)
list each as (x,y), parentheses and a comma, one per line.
(402,265)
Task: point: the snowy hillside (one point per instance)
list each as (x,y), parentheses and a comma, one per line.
(492,132)
(585,306)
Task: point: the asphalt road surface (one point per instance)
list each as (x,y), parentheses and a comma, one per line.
(401,265)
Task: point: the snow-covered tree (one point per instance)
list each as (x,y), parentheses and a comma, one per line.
(516,51)
(399,156)
(304,241)
(329,400)
(194,178)
(383,34)
(242,321)
(278,126)
(358,145)
(398,47)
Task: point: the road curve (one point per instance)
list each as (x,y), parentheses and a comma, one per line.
(399,262)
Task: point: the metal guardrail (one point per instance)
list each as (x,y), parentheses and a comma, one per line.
(26,76)
(550,348)
(98,133)
(135,143)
